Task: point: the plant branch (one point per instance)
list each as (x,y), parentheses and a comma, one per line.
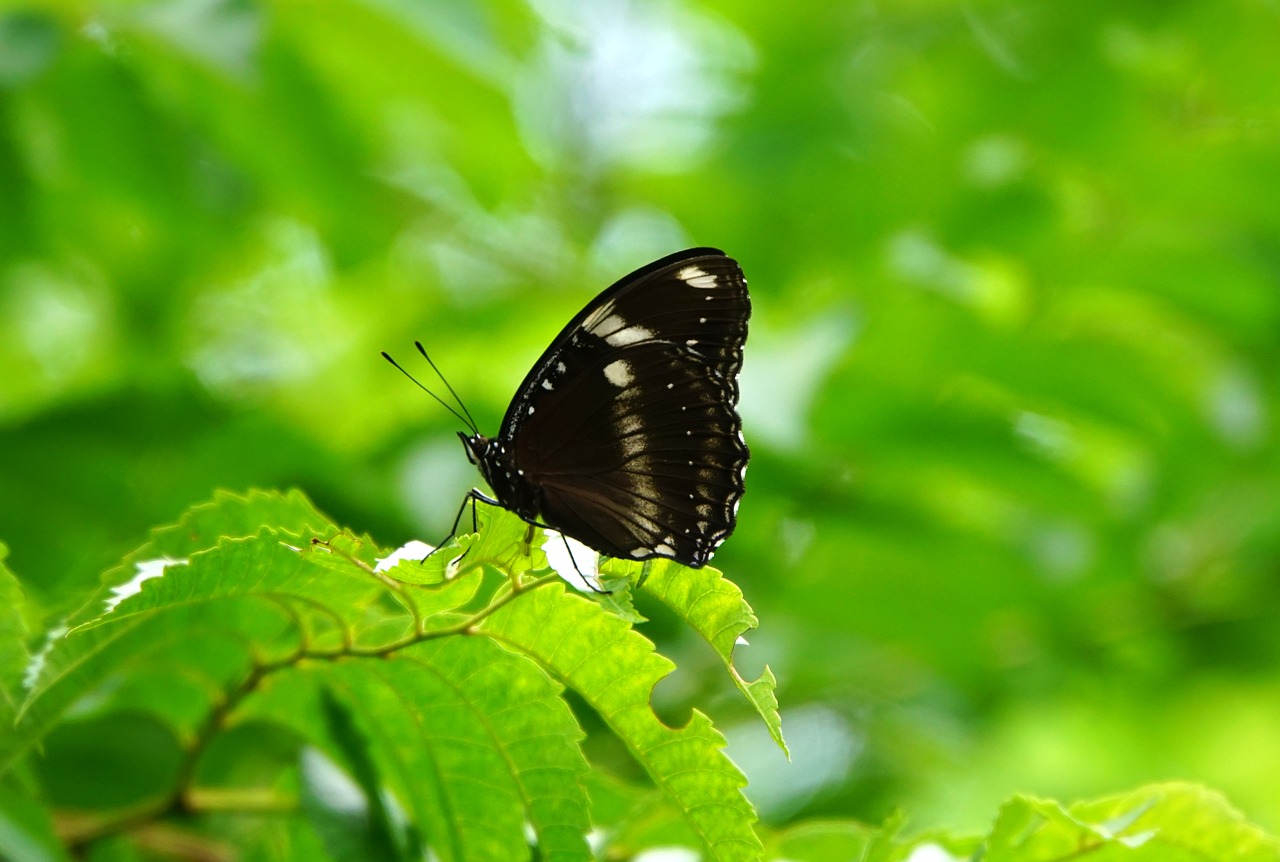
(80,831)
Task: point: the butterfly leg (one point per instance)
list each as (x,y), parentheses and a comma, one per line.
(473,496)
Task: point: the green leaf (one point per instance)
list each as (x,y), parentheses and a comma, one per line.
(615,669)
(715,608)
(331,596)
(472,739)
(653,820)
(201,621)
(503,541)
(26,830)
(13,640)
(201,527)
(1161,823)
(617,598)
(215,647)
(350,832)
(821,841)
(231,515)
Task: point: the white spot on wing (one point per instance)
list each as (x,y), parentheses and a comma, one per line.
(695,277)
(619,373)
(546,384)
(596,318)
(628,335)
(603,323)
(627,426)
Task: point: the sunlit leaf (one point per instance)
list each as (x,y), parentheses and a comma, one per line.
(1168,822)
(615,669)
(715,608)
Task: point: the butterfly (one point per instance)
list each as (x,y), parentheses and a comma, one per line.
(625,434)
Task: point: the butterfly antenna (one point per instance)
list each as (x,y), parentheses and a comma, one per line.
(464,420)
(423,351)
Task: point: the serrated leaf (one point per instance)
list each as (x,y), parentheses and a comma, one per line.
(471,738)
(503,541)
(227,515)
(333,595)
(617,598)
(1160,823)
(418,563)
(83,668)
(615,670)
(715,608)
(256,592)
(348,813)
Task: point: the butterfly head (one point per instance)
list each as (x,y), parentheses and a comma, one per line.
(478,447)
(508,483)
(485,453)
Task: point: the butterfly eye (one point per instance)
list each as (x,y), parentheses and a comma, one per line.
(475,447)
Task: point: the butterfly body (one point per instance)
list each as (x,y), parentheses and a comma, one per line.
(625,434)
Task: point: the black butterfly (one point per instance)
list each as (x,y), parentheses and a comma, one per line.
(625,433)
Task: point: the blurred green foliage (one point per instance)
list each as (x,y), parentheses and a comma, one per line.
(1013,520)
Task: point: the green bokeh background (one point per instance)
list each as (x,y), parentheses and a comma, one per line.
(1013,518)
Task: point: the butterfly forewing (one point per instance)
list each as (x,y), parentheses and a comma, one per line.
(625,434)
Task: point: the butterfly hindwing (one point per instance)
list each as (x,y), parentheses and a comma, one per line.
(625,434)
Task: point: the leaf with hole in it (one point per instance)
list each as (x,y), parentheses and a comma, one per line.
(715,608)
(473,741)
(615,669)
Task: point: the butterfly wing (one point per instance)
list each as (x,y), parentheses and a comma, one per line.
(627,428)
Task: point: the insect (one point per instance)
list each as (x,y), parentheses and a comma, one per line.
(625,434)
